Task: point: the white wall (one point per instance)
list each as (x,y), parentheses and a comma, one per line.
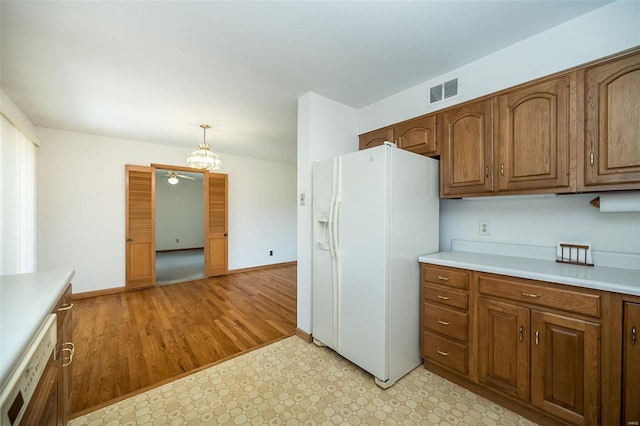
(325,129)
(81,205)
(179,214)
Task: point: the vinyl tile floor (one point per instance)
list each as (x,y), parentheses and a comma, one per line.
(291,382)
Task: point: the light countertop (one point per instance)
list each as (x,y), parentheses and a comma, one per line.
(618,280)
(25,302)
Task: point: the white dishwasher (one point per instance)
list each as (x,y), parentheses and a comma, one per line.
(15,396)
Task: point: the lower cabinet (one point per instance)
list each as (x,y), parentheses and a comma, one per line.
(538,344)
(631,365)
(65,351)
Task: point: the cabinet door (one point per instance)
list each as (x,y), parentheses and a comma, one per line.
(631,365)
(376,137)
(216,258)
(419,135)
(503,347)
(612,133)
(533,137)
(564,367)
(466,163)
(65,352)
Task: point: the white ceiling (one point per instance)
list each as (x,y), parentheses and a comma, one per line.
(155,71)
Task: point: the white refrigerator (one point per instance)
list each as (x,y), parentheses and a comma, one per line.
(374,212)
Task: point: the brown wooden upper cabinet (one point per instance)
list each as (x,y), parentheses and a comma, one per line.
(466,164)
(612,124)
(533,137)
(376,137)
(419,135)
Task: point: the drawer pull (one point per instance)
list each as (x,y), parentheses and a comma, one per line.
(65,307)
(633,335)
(65,364)
(440,277)
(537,337)
(443,297)
(524,293)
(442,352)
(443,322)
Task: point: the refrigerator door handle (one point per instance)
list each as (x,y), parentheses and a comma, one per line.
(336,227)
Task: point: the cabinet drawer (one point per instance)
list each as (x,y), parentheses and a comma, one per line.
(445,352)
(434,293)
(445,276)
(525,291)
(446,321)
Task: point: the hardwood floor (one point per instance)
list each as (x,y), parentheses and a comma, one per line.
(128,341)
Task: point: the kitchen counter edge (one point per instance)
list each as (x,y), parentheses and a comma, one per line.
(618,280)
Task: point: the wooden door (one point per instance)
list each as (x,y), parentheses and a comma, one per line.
(533,137)
(466,165)
(419,135)
(503,347)
(612,132)
(376,137)
(564,367)
(216,228)
(140,234)
(631,365)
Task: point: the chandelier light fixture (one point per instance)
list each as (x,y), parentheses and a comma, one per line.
(203,158)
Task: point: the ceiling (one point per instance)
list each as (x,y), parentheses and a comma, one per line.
(154,71)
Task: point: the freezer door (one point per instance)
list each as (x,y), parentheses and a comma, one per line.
(323,286)
(362,247)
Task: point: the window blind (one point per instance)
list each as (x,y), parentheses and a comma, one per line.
(17,200)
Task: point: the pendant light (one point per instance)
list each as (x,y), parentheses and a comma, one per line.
(203,158)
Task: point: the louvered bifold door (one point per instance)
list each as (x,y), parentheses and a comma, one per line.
(140,226)
(216,228)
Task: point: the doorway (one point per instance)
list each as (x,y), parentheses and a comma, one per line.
(179,226)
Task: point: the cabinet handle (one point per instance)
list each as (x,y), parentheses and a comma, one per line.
(521,333)
(65,307)
(486,171)
(443,322)
(633,335)
(530,294)
(443,278)
(537,337)
(442,353)
(66,364)
(502,169)
(73,347)
(591,159)
(443,297)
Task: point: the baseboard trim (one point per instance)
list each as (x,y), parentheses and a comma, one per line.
(105,292)
(180,249)
(258,268)
(304,335)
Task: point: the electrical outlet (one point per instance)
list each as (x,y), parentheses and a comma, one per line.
(270,252)
(177,240)
(484,228)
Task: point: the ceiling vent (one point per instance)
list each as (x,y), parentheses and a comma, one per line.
(443,91)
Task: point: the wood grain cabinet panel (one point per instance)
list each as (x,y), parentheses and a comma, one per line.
(503,339)
(466,165)
(631,365)
(564,367)
(375,137)
(444,296)
(533,137)
(447,322)
(612,129)
(446,352)
(419,135)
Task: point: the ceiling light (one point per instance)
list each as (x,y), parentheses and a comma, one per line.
(173,179)
(203,158)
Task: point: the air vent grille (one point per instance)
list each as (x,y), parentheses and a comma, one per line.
(443,91)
